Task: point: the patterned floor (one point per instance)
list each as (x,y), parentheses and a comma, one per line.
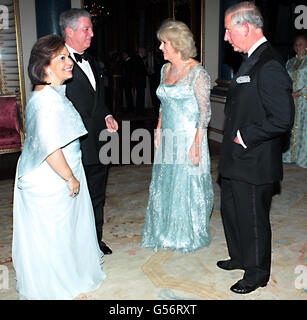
(136,273)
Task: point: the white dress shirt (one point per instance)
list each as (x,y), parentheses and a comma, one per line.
(84,65)
(256,45)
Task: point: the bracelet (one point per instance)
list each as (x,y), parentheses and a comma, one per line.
(70,179)
(196,144)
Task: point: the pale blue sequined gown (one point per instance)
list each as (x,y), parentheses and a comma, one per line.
(180,194)
(55,251)
(297,152)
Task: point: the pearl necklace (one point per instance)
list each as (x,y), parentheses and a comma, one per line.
(178,72)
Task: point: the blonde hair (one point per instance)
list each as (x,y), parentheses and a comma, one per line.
(180,36)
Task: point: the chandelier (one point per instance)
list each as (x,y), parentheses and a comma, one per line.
(97,8)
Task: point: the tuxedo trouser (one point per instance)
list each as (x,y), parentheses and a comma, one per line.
(245,214)
(140,98)
(96,176)
(128,96)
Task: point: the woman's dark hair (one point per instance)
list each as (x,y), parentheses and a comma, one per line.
(42,52)
(300,35)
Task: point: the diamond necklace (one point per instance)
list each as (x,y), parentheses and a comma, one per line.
(178,72)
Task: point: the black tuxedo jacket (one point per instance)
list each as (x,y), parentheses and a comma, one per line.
(91,107)
(128,74)
(261,106)
(140,72)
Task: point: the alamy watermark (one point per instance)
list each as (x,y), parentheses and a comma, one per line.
(4,17)
(300,21)
(4,277)
(174,146)
(140,153)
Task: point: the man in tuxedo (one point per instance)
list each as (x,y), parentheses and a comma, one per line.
(86,92)
(128,79)
(259,111)
(140,73)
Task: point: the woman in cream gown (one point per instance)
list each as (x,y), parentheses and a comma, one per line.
(55,250)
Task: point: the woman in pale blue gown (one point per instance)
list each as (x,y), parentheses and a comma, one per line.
(297,69)
(55,250)
(180,195)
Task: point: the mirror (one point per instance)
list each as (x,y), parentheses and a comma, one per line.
(11,60)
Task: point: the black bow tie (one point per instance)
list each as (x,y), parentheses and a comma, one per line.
(80,57)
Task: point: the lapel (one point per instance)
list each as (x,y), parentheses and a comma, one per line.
(94,69)
(80,74)
(249,63)
(97,80)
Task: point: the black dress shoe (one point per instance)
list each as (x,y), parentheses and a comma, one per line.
(104,248)
(242,287)
(227,265)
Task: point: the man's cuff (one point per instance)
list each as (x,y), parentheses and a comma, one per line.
(241,140)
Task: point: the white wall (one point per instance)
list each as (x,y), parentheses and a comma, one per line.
(28,35)
(212,16)
(211,47)
(216,125)
(76,3)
